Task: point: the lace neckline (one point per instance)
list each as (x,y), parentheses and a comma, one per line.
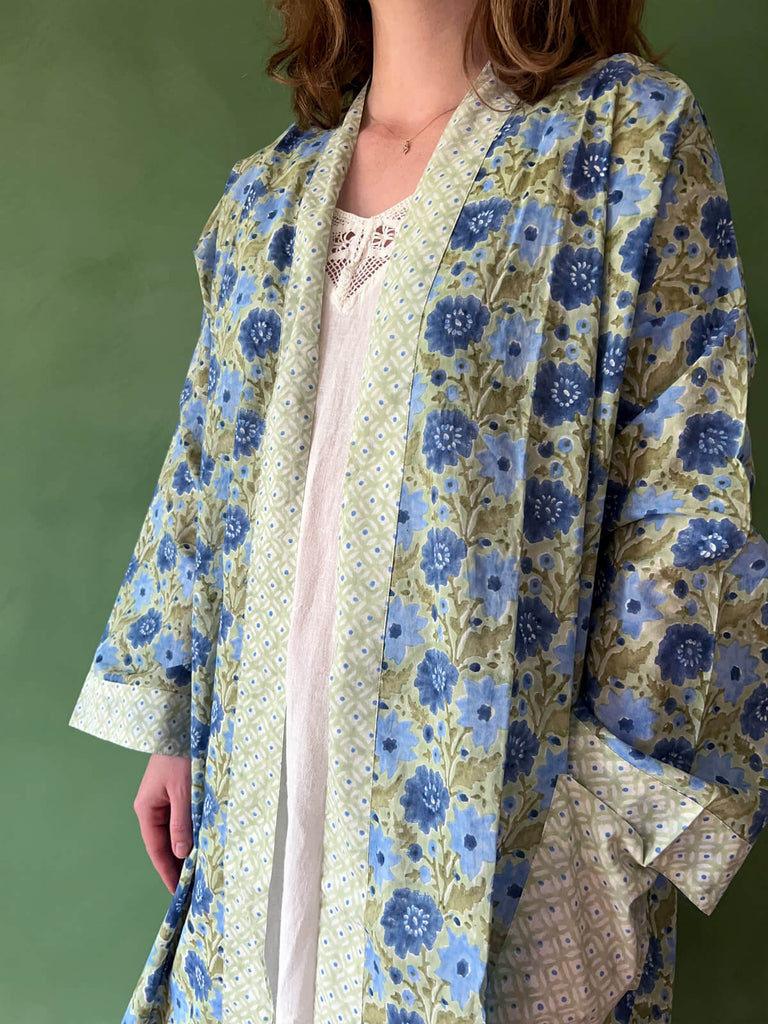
(390,212)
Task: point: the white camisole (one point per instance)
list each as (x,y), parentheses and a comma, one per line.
(357,256)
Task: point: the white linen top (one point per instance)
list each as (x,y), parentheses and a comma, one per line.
(357,256)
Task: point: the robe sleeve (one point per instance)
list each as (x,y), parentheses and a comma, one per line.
(669,729)
(137,689)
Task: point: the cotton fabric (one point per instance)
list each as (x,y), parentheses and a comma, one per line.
(553,603)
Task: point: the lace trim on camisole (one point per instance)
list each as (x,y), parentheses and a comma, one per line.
(359,248)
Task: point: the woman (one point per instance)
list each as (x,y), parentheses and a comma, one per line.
(454,593)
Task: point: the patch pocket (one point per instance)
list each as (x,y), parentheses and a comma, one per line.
(579,937)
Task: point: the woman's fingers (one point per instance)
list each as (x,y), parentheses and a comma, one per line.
(162,806)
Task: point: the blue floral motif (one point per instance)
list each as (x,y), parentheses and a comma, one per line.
(637,600)
(611,359)
(504,462)
(754,717)
(606,76)
(576,277)
(447,435)
(442,556)
(516,342)
(628,717)
(708,330)
(585,167)
(534,228)
(395,742)
(145,629)
(402,1015)
(402,629)
(717,226)
(280,250)
(735,668)
(425,799)
(249,430)
(410,516)
(381,855)
(685,650)
(259,333)
(549,508)
(410,920)
(477,220)
(435,679)
(198,976)
(536,625)
(493,579)
(706,541)
(484,710)
(236,527)
(473,838)
(461,966)
(709,439)
(508,885)
(561,391)
(521,747)
(454,322)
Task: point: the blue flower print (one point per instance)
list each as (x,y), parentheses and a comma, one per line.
(198,736)
(508,885)
(280,250)
(659,410)
(201,895)
(201,648)
(461,966)
(473,838)
(549,509)
(145,629)
(625,195)
(717,767)
(750,567)
(754,717)
(706,541)
(678,752)
(402,629)
(594,85)
(447,435)
(211,807)
(516,342)
(410,920)
(493,579)
(576,276)
(373,966)
(143,589)
(229,392)
(717,226)
(425,799)
(637,602)
(166,553)
(554,764)
(653,98)
(708,330)
(259,333)
(454,322)
(611,360)
(249,429)
(536,625)
(381,856)
(198,976)
(203,558)
(520,750)
(504,462)
(634,247)
(484,710)
(410,516)
(178,999)
(685,650)
(476,220)
(435,679)
(442,556)
(236,526)
(561,391)
(734,669)
(248,189)
(541,133)
(628,717)
(585,167)
(183,481)
(402,1015)
(395,741)
(533,228)
(708,439)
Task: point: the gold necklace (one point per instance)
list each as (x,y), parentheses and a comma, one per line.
(407,143)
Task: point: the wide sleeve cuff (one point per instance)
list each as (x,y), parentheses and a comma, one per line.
(669,809)
(152,719)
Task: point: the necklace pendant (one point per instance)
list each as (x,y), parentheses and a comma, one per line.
(406,146)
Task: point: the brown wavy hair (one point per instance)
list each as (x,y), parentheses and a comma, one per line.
(327,47)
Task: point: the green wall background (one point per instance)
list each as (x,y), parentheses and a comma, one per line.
(120,124)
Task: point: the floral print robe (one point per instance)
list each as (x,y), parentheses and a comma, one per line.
(549,676)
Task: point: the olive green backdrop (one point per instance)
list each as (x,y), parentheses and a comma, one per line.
(120,123)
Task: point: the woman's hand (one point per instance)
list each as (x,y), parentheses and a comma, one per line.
(162,806)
